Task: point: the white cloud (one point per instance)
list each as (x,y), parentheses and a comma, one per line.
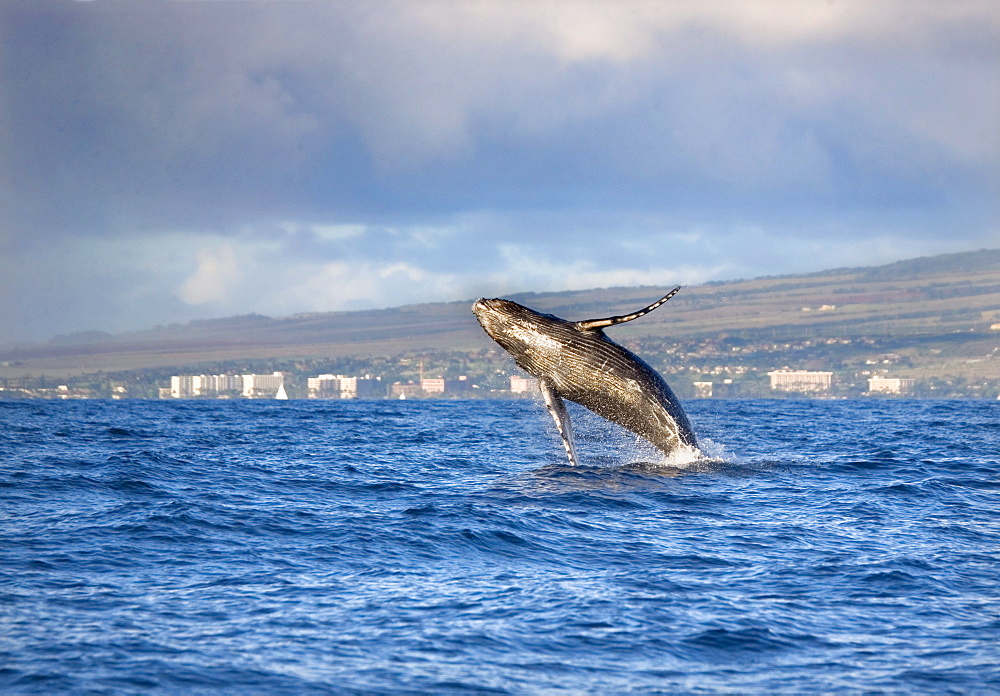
(332,232)
(427,71)
(337,155)
(353,284)
(523,269)
(214,279)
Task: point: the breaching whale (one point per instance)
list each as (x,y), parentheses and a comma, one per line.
(574,360)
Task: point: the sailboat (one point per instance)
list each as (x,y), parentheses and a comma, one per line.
(282,394)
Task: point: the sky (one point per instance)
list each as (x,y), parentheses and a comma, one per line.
(168,161)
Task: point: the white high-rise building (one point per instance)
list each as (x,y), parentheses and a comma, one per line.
(333,387)
(800,380)
(891,385)
(344,387)
(189,386)
(221,383)
(703,390)
(262,385)
(185,386)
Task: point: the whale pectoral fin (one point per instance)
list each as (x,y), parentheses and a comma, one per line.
(592,324)
(557,409)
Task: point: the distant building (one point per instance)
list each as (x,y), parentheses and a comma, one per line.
(194,386)
(185,386)
(432,385)
(891,385)
(63,391)
(716,390)
(252,386)
(524,385)
(344,387)
(410,390)
(438,386)
(800,380)
(217,384)
(331,387)
(263,385)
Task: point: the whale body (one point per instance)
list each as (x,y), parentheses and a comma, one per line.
(578,362)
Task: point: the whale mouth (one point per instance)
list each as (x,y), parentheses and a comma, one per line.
(482,306)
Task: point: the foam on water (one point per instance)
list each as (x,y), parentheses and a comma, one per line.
(600,441)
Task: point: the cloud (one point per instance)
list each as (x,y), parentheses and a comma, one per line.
(268,152)
(218,270)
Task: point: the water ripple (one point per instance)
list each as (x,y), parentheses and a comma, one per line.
(445,547)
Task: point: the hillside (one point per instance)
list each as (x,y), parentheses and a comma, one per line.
(919,299)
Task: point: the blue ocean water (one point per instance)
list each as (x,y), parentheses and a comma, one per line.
(445,547)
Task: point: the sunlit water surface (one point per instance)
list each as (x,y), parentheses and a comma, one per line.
(445,547)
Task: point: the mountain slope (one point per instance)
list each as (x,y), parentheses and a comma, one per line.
(925,296)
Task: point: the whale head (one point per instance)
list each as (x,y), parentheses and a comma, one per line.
(517,328)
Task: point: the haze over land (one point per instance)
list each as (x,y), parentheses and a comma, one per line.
(162,162)
(934,319)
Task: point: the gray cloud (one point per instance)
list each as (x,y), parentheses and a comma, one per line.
(175,160)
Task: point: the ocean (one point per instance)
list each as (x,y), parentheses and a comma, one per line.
(445,547)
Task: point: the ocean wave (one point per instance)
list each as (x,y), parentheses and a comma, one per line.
(439,547)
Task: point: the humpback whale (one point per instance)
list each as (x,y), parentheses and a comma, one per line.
(575,360)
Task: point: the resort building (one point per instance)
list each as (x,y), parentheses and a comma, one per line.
(332,387)
(410,390)
(185,386)
(255,386)
(438,386)
(800,380)
(194,386)
(432,385)
(344,387)
(218,384)
(890,385)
